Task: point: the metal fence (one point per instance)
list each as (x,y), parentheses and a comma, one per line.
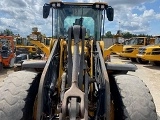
(108,42)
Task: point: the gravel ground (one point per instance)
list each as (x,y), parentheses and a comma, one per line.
(151,77)
(148,73)
(4,73)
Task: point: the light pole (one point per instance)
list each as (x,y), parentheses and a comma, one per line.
(119,25)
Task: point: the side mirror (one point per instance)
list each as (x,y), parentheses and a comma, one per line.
(46,10)
(110,13)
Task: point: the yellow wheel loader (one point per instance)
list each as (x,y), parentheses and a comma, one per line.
(131,50)
(151,52)
(75,83)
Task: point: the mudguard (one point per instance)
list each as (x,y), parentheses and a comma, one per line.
(34,64)
(120,66)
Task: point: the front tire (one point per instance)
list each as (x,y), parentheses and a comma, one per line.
(141,61)
(18,93)
(133,59)
(132,99)
(1,67)
(155,63)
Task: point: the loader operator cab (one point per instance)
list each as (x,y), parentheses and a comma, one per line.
(157,40)
(89,15)
(21,41)
(137,41)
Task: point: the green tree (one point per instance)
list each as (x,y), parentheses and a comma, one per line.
(8,32)
(127,35)
(108,34)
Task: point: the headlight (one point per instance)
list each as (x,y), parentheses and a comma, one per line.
(33,37)
(54,5)
(58,4)
(148,53)
(102,6)
(97,6)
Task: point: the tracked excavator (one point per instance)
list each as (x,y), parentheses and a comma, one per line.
(75,83)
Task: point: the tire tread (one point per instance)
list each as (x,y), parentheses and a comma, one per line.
(13,94)
(136,100)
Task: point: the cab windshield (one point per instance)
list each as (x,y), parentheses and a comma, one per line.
(19,41)
(157,40)
(70,15)
(136,41)
(87,22)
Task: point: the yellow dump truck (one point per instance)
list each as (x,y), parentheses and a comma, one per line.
(130,51)
(151,53)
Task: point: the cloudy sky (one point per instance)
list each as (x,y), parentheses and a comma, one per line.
(135,16)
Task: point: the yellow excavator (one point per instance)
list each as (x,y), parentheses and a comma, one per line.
(75,83)
(151,52)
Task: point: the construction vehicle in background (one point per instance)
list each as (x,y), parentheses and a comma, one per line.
(40,41)
(116,48)
(126,42)
(7,50)
(23,46)
(47,41)
(151,52)
(130,51)
(75,82)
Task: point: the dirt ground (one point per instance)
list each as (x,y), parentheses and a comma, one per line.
(5,72)
(148,73)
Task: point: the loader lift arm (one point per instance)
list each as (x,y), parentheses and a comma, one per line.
(101,82)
